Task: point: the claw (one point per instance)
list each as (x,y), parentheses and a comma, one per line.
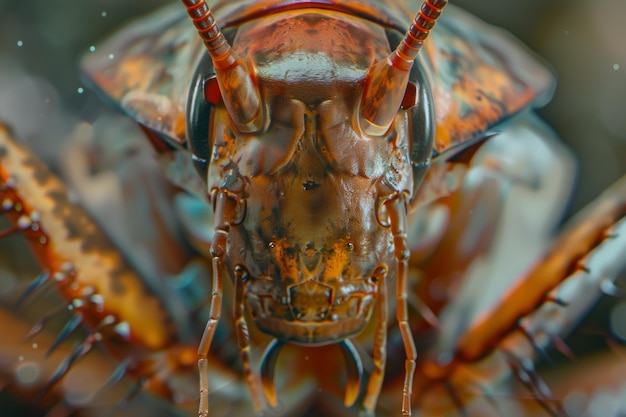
(354,367)
(268,364)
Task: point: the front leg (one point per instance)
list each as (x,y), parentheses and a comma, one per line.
(225,211)
(397,209)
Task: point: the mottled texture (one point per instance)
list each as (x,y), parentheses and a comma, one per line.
(77,248)
(479,75)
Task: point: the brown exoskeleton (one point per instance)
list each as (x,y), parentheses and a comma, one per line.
(311,167)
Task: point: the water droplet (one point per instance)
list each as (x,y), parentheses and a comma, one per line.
(20,43)
(615,67)
(92,48)
(111,56)
(103,14)
(80,90)
(575,403)
(602,404)
(27,373)
(35,345)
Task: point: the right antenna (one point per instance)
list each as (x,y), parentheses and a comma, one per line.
(388,79)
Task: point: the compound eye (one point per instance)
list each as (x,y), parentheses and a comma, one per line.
(212,93)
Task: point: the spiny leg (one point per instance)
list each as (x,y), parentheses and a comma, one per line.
(225,208)
(397,210)
(79,351)
(243,339)
(525,372)
(379,352)
(207,337)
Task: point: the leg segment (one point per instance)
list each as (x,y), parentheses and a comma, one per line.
(225,208)
(379,352)
(243,339)
(397,210)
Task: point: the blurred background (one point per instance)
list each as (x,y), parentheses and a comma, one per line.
(43,98)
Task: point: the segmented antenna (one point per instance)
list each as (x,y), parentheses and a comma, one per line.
(211,35)
(424,22)
(234,77)
(388,80)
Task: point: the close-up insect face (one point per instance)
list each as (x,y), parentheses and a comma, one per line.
(326,207)
(313,185)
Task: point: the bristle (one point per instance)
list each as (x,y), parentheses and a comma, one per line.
(489,396)
(117,374)
(67,330)
(131,394)
(539,349)
(41,323)
(560,345)
(555,300)
(9,231)
(456,399)
(79,351)
(524,371)
(424,311)
(32,287)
